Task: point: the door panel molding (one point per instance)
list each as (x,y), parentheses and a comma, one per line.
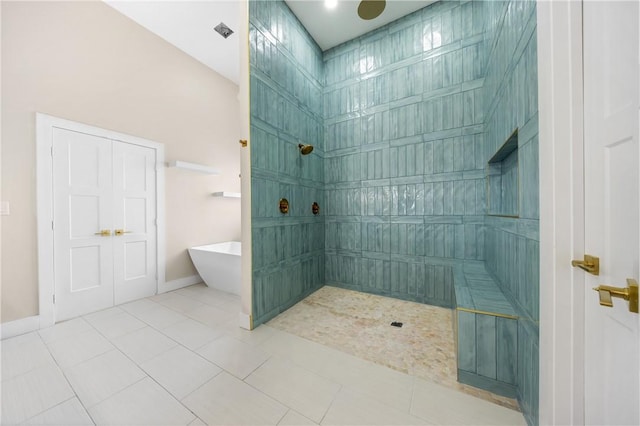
(45,125)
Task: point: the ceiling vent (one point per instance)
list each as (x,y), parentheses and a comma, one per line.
(223,30)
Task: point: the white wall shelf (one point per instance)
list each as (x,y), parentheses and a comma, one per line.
(226,194)
(195,167)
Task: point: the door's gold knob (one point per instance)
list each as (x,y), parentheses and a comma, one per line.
(629,293)
(122,232)
(591,264)
(104,233)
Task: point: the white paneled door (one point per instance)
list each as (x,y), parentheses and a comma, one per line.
(134,217)
(104,205)
(612,190)
(82,210)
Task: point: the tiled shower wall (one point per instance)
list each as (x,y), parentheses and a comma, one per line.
(512,244)
(404,120)
(404,161)
(286,73)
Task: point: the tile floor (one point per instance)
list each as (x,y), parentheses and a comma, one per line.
(179,359)
(359,324)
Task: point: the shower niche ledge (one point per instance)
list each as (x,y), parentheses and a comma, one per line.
(503,188)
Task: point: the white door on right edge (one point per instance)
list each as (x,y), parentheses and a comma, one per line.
(612,193)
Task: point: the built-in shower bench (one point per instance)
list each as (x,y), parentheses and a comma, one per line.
(486,331)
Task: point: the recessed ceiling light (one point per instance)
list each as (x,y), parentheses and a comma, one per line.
(330,4)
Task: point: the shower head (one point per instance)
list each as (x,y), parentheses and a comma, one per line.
(305,149)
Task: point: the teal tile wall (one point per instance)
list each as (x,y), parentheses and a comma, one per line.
(512,244)
(286,77)
(487,331)
(404,120)
(404,141)
(487,351)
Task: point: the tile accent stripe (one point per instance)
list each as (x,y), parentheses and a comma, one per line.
(495,314)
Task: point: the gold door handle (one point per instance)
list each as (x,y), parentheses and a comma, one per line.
(122,232)
(591,264)
(104,233)
(629,293)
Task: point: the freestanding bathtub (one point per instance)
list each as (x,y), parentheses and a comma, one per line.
(219,265)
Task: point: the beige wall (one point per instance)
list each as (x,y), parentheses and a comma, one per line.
(85,62)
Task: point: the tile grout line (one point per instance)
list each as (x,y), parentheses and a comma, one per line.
(180,401)
(331,403)
(139,366)
(59,404)
(67,380)
(146,375)
(283,416)
(340,386)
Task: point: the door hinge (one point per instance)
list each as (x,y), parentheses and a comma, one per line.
(54,299)
(52,225)
(52,151)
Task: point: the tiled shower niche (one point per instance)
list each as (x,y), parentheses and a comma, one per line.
(503,187)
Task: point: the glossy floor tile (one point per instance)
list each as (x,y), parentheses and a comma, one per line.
(115,322)
(69,413)
(101,377)
(79,347)
(180,371)
(144,344)
(227,400)
(351,408)
(160,317)
(143,403)
(66,329)
(235,356)
(32,393)
(439,404)
(306,392)
(179,359)
(23,354)
(359,324)
(295,419)
(192,334)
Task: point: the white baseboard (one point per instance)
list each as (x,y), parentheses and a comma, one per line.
(244,320)
(18,327)
(179,283)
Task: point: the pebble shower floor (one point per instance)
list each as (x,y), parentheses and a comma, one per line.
(359,324)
